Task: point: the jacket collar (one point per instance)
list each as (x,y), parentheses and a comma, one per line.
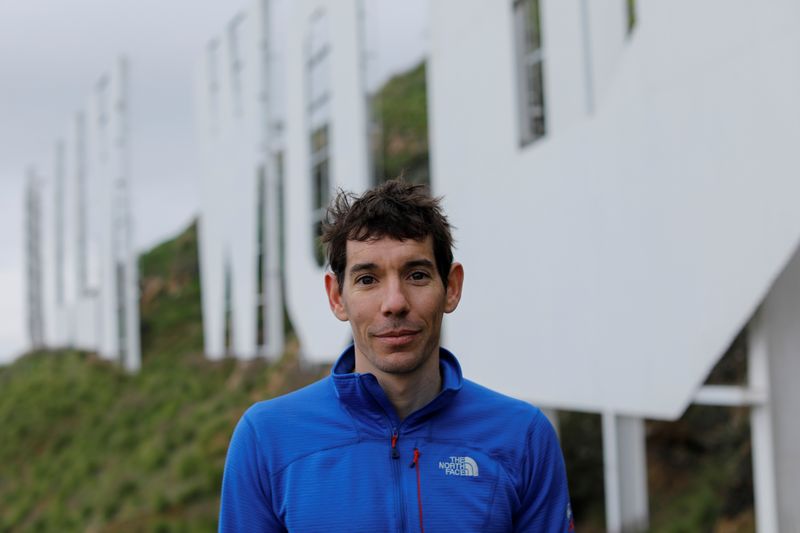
(364,399)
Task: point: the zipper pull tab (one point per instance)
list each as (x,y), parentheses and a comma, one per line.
(395,453)
(415,462)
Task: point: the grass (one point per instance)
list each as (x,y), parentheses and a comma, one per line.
(87,447)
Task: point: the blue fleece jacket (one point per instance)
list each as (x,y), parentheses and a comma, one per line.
(334,457)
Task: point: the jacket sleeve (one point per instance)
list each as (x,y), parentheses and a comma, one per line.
(544,502)
(246,503)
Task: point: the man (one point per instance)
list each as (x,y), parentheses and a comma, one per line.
(395,439)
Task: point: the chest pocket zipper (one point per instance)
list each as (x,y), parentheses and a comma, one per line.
(415,464)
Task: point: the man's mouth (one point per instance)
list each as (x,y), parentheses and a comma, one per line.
(397,337)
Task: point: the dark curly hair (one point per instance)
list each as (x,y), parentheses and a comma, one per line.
(395,209)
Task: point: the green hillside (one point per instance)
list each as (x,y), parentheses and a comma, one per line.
(86,447)
(400,143)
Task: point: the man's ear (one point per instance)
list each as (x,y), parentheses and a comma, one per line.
(455,280)
(335,296)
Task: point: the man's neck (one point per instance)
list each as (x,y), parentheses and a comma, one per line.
(408,392)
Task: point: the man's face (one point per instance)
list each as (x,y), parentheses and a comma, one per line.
(394,299)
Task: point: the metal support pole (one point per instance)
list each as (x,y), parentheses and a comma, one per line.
(612,474)
(761,435)
(625,465)
(633,473)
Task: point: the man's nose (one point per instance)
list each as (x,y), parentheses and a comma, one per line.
(395,301)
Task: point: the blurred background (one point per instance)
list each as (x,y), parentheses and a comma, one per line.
(622,176)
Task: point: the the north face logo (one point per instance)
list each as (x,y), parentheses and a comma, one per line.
(459,466)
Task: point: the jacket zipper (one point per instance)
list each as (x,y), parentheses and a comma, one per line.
(395,455)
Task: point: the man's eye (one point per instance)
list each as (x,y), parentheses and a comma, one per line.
(365,280)
(419,276)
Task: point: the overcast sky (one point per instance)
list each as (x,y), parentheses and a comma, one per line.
(51,54)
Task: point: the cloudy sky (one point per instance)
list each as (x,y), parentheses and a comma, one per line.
(51,54)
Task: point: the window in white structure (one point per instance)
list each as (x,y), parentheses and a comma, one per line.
(279,166)
(530,60)
(630,9)
(227,312)
(281,212)
(320,185)
(261,257)
(318,64)
(122,333)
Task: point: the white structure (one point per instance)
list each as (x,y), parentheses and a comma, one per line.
(90,282)
(109,174)
(240,138)
(602,166)
(635,192)
(326,140)
(776,433)
(280,93)
(61,205)
(33,260)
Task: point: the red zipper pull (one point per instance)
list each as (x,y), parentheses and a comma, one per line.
(395,453)
(415,462)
